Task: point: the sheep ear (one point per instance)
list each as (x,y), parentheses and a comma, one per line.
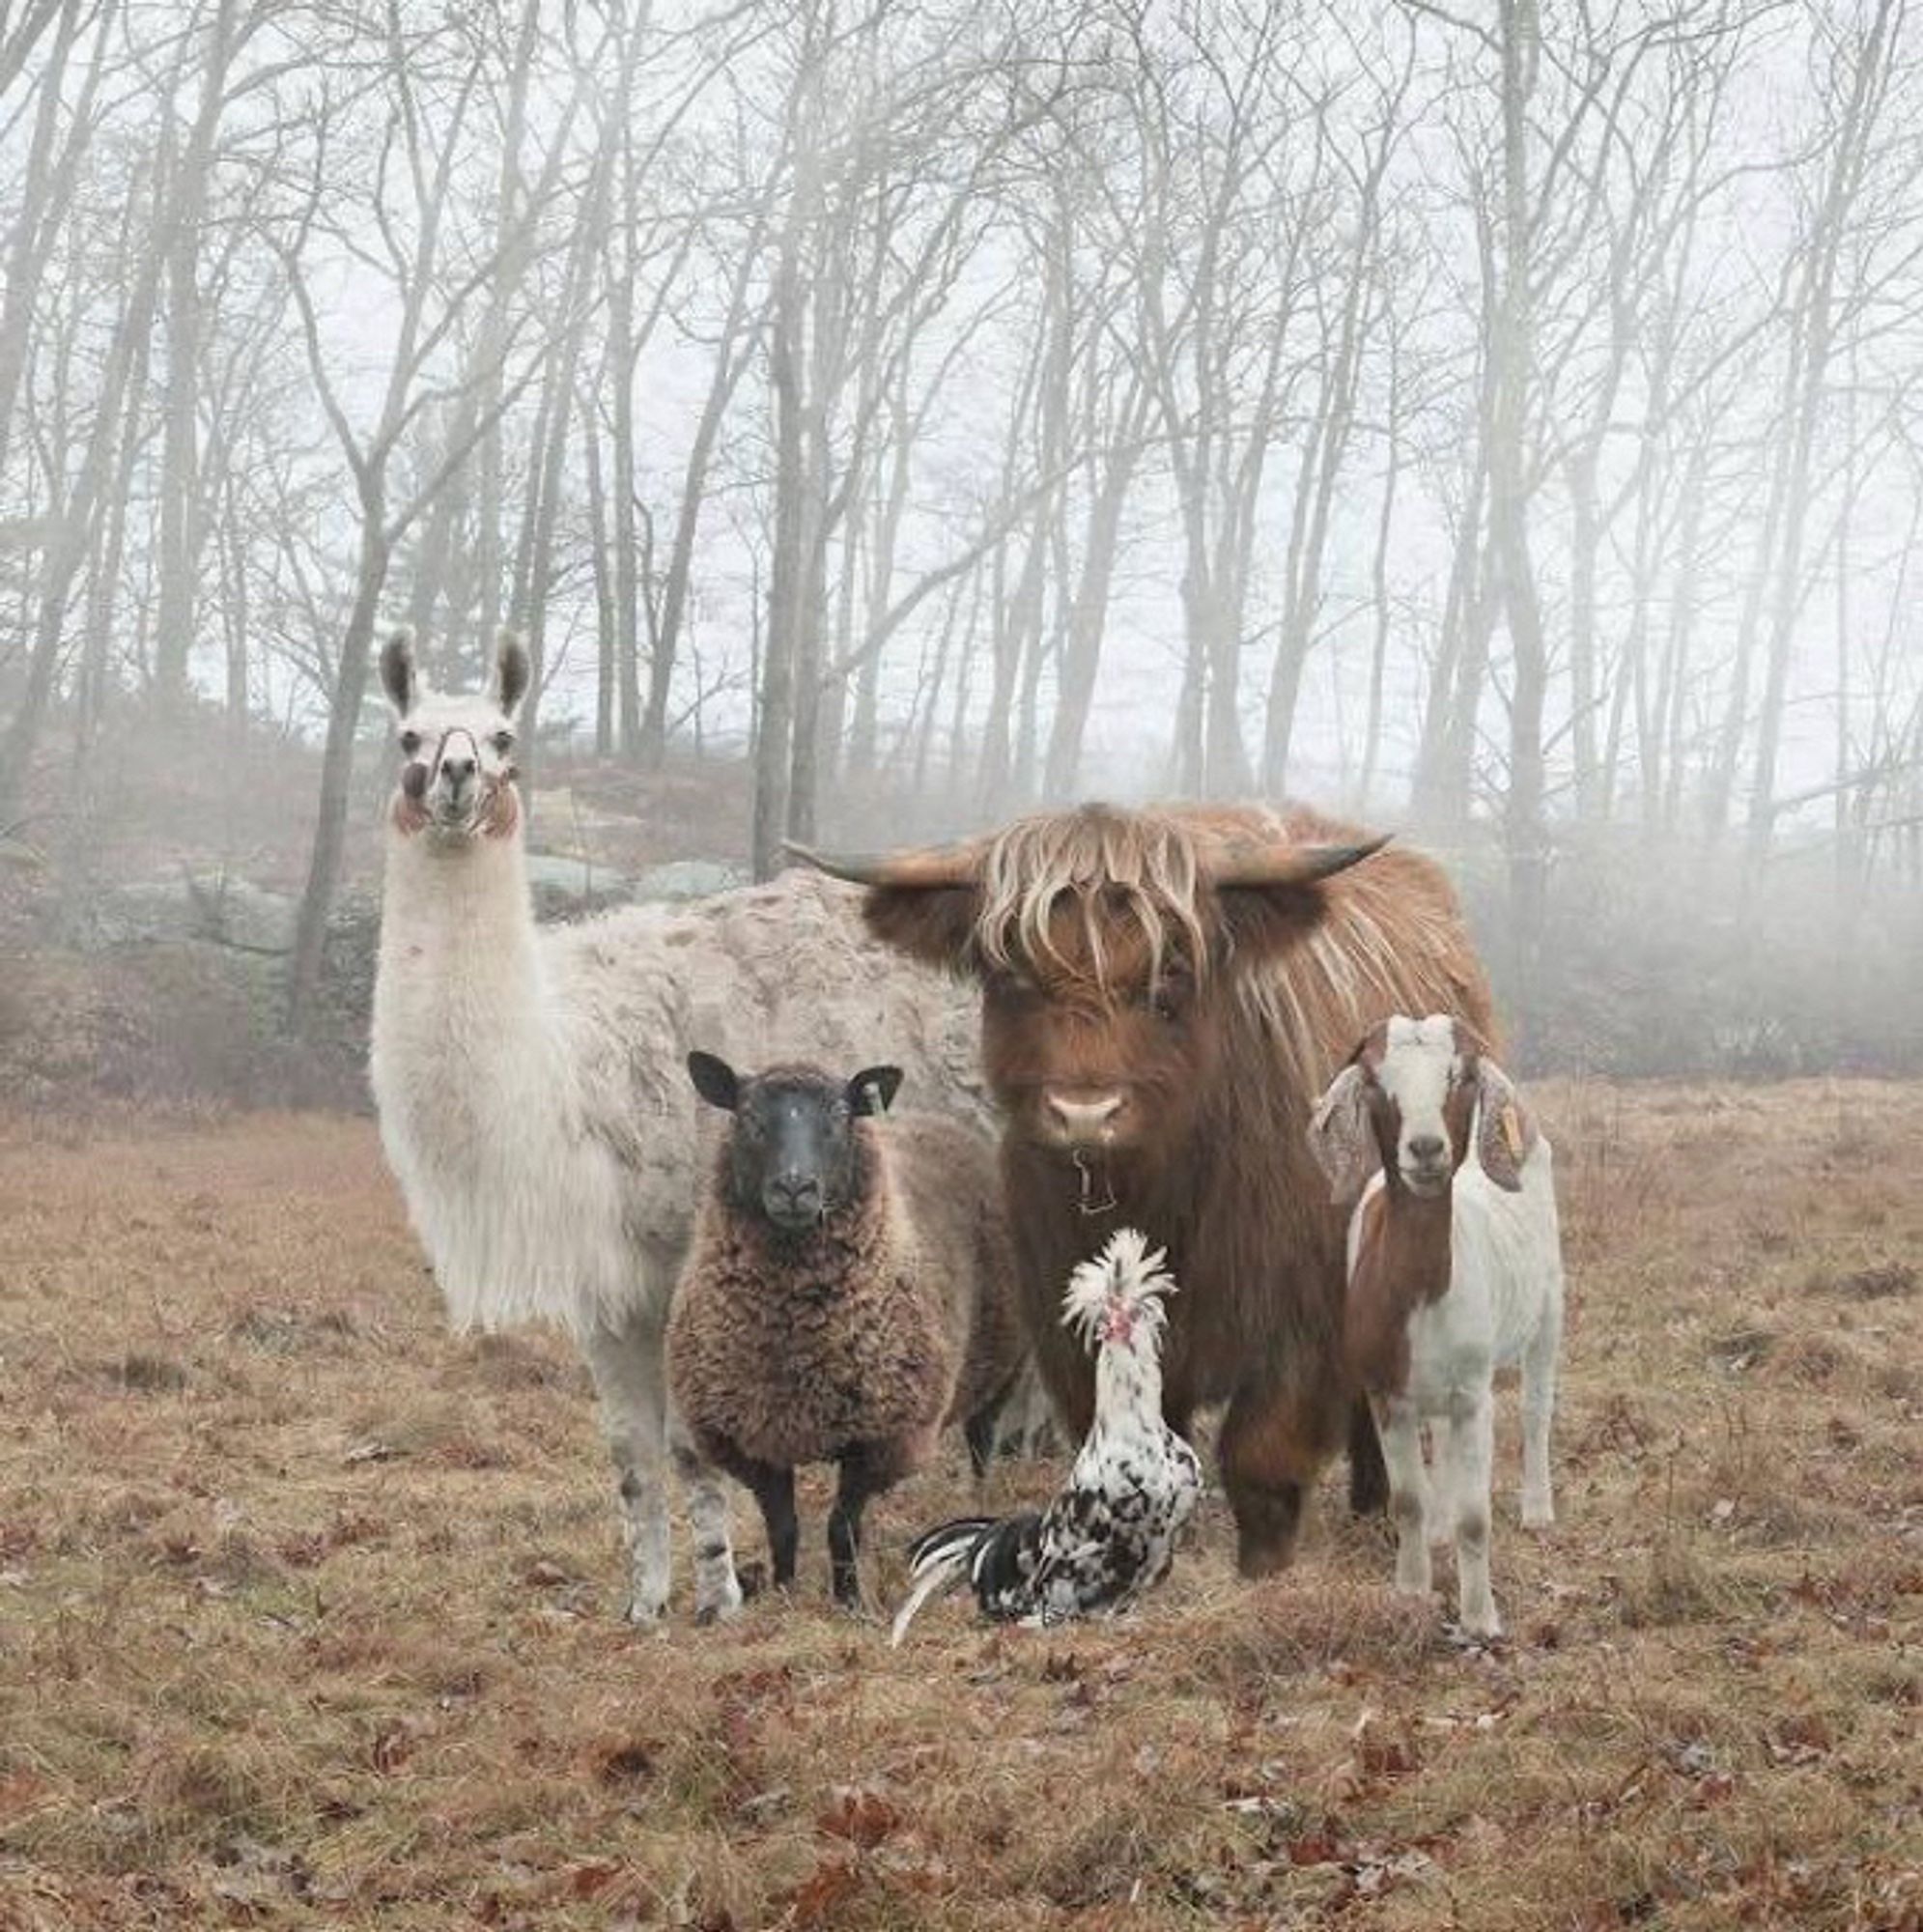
(513,670)
(1340,1136)
(1506,1132)
(715,1080)
(399,678)
(874,1089)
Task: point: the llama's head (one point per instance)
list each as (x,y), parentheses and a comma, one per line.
(1408,1101)
(457,754)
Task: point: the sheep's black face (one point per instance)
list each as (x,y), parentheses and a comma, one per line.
(793,1157)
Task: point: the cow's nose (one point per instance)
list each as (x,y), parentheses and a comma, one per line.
(1081,1114)
(1428,1150)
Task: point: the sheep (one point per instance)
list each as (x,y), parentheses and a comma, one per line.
(847,1292)
(1454,1267)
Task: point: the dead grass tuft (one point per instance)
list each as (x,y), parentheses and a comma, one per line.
(1256,1639)
(1879,1282)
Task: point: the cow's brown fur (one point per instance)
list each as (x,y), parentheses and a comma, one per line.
(1110,962)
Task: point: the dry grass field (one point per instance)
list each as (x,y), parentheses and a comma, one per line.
(307,1609)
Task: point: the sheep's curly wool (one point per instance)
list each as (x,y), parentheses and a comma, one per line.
(891,1318)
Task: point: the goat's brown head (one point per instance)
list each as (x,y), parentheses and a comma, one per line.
(457,754)
(1408,1103)
(1105,942)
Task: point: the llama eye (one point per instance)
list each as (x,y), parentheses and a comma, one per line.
(411,742)
(503,742)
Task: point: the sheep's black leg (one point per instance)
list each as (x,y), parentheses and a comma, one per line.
(775,1491)
(861,1479)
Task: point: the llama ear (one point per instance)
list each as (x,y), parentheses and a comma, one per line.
(1506,1132)
(715,1080)
(874,1089)
(1340,1136)
(399,678)
(514,670)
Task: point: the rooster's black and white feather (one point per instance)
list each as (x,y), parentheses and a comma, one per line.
(1110,1533)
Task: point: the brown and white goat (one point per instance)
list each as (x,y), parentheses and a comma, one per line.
(1454,1267)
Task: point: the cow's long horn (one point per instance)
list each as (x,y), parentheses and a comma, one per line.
(1269,865)
(921,866)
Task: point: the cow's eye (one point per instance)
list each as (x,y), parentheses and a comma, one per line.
(411,742)
(1168,999)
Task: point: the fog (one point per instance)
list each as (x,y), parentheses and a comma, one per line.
(1494,421)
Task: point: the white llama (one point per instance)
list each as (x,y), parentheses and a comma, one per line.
(530,1085)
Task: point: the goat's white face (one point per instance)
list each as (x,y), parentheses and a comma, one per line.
(1421,1069)
(457,752)
(1408,1102)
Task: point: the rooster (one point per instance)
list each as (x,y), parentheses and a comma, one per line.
(1110,1533)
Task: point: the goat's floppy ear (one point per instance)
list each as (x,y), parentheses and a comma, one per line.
(1340,1135)
(398,677)
(714,1080)
(512,671)
(1505,1129)
(872,1090)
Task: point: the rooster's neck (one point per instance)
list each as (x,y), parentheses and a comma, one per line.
(1128,1382)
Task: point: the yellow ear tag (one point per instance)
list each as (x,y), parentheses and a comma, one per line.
(1511,1130)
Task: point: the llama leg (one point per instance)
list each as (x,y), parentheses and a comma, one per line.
(1408,1491)
(1539,1404)
(630,1381)
(1472,1443)
(717,1592)
(1271,1445)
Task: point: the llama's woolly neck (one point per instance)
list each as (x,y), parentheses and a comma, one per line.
(482,1098)
(459,915)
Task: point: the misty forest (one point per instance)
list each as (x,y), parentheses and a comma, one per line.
(1500,429)
(887,428)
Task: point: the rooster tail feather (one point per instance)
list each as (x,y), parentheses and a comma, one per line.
(935,1582)
(939,1559)
(948,1538)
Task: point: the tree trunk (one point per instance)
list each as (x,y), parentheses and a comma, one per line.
(323,865)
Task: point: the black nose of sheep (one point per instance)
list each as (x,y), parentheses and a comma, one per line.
(792,1200)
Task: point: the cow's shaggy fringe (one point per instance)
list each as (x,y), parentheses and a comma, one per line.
(1095,858)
